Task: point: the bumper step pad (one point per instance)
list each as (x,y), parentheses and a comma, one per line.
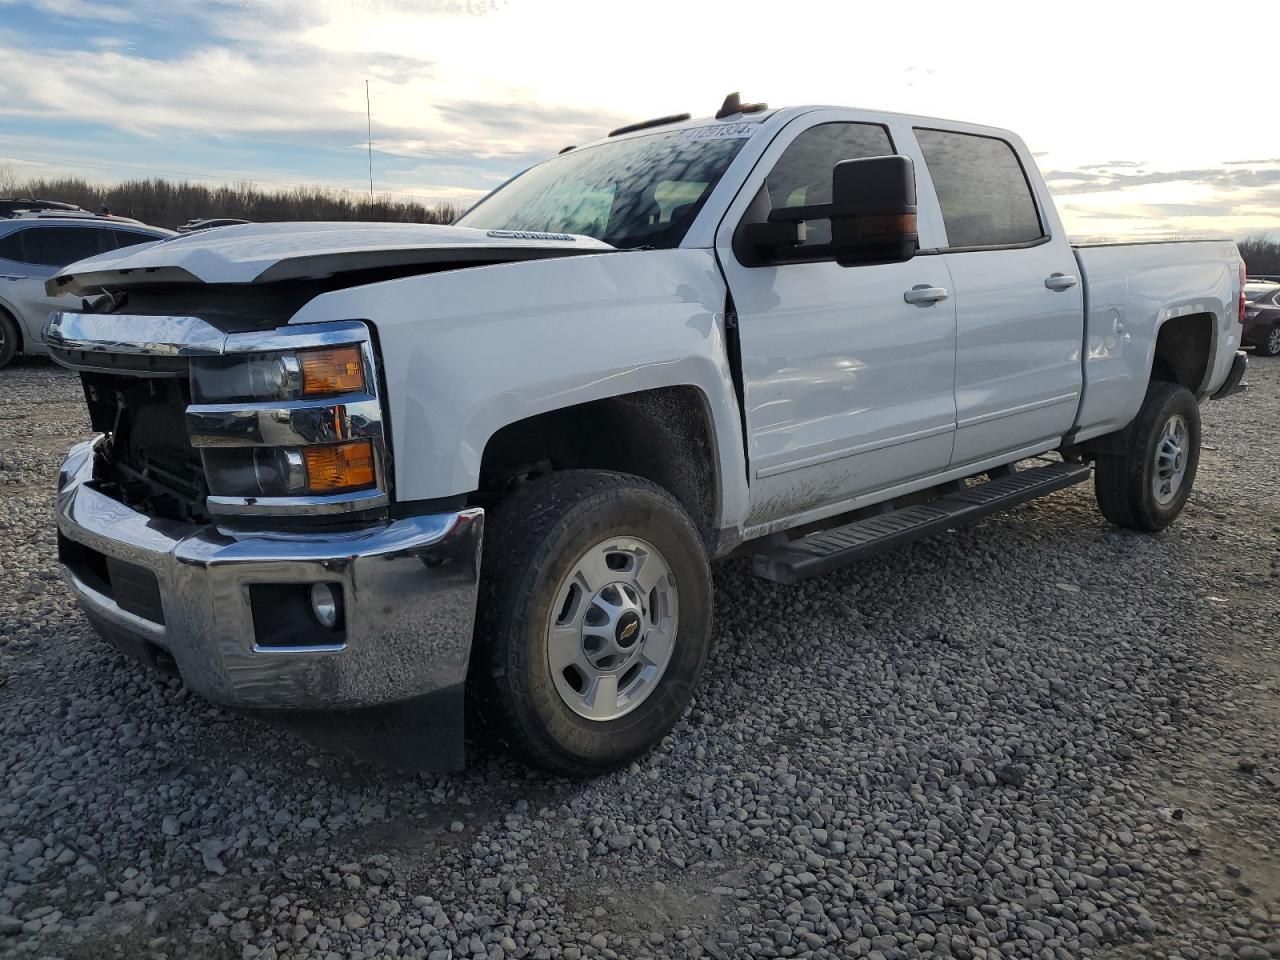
(827,550)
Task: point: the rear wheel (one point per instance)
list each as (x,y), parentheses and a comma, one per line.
(1269,345)
(1146,487)
(593,623)
(8,338)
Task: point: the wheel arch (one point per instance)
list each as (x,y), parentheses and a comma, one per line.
(1183,351)
(666,435)
(8,313)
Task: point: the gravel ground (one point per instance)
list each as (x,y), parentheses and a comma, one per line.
(1039,737)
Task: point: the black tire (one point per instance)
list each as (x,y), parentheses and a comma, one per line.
(10,338)
(533,540)
(1269,345)
(1124,483)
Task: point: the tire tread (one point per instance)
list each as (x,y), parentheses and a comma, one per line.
(1119,480)
(519,544)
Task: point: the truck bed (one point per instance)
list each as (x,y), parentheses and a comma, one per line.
(1131,290)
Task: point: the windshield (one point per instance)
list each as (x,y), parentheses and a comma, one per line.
(643,191)
(1252,291)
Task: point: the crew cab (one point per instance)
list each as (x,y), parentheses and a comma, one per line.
(371,479)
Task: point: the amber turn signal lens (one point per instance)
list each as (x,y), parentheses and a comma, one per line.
(340,466)
(338,370)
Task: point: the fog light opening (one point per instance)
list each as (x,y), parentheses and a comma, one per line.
(324,605)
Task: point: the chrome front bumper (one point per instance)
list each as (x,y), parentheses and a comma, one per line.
(409,588)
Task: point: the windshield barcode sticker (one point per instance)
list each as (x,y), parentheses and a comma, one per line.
(721,131)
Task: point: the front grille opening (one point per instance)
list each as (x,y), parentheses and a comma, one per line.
(87,564)
(147,461)
(135,589)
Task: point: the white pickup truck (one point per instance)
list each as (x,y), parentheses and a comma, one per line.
(799,335)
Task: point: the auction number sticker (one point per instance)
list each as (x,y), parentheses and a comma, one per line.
(720,131)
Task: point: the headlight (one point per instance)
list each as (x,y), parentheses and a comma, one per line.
(298,374)
(290,471)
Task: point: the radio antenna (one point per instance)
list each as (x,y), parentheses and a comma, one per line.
(368,116)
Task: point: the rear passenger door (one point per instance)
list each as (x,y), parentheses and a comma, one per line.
(1018,299)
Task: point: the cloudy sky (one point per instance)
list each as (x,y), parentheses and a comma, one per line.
(1143,115)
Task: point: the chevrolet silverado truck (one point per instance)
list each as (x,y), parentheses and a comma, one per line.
(371,479)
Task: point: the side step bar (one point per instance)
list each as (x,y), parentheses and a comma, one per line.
(827,550)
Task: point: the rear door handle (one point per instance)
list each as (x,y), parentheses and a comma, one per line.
(1060,282)
(922,294)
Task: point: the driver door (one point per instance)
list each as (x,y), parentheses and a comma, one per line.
(848,387)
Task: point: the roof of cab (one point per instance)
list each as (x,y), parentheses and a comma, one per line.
(775,117)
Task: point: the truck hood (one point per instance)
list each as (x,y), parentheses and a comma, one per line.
(269,252)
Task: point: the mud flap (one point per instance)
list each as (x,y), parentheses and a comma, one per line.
(421,734)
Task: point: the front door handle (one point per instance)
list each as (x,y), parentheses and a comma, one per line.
(922,294)
(1060,282)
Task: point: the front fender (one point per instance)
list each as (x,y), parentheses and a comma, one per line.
(466,352)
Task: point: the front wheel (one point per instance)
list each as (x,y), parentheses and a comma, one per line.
(1269,345)
(1146,487)
(593,623)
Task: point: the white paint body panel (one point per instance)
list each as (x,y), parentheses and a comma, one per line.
(1132,290)
(466,352)
(1018,373)
(243,253)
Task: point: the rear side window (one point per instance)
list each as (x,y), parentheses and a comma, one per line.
(59,246)
(124,238)
(11,247)
(802,175)
(983,190)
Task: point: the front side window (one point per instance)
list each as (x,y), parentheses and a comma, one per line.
(638,192)
(802,175)
(983,191)
(58,246)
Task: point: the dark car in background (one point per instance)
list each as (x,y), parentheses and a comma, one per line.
(1262,316)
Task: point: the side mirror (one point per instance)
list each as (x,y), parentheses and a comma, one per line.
(873,211)
(766,236)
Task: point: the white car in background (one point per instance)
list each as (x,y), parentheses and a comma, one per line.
(34,245)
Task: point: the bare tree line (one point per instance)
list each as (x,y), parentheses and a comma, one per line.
(1261,255)
(165,203)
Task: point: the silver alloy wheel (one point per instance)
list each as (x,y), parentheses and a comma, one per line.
(1273,340)
(1171,460)
(613,628)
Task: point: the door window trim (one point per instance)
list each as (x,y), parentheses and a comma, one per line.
(1046,235)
